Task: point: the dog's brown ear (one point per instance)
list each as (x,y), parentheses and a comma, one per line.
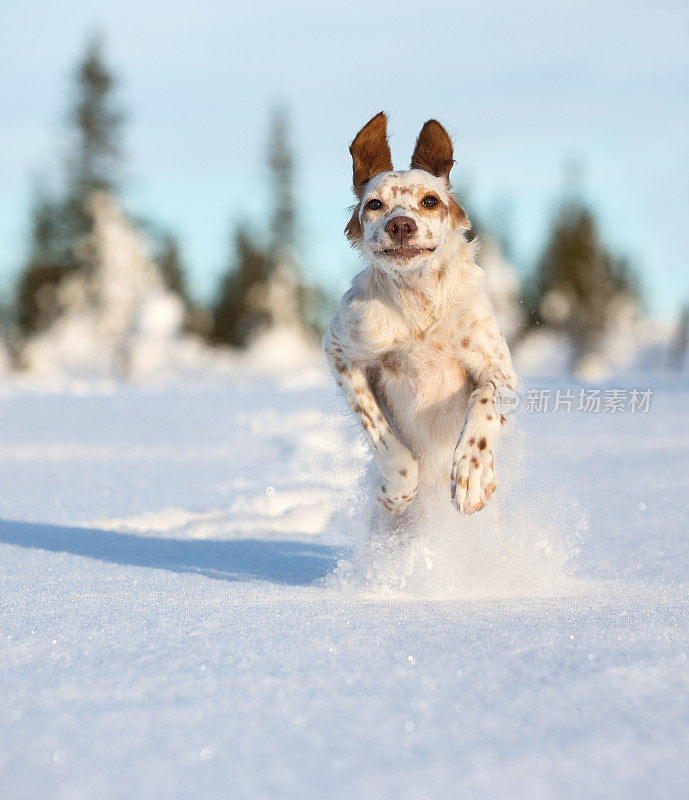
(370,152)
(433,151)
(458,215)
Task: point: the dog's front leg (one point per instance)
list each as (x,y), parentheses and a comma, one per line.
(472,476)
(397,465)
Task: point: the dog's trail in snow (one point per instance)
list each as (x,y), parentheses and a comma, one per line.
(520,545)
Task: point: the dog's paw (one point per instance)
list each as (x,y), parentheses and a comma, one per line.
(399,488)
(472,478)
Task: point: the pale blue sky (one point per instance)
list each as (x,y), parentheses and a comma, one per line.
(522,88)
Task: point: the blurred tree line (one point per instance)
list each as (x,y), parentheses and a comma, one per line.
(579,288)
(60,220)
(262,285)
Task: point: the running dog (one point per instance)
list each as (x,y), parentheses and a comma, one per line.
(415,346)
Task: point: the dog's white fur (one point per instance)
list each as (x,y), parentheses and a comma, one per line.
(415,345)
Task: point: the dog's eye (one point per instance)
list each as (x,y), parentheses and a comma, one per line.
(374,204)
(429,201)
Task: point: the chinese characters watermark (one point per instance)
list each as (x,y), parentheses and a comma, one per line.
(587,401)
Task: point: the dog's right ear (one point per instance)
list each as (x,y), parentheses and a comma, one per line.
(370,152)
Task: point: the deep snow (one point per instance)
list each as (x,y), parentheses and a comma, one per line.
(190,607)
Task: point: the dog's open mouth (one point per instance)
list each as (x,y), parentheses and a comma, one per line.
(406,252)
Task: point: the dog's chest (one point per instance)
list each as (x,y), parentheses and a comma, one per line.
(425,366)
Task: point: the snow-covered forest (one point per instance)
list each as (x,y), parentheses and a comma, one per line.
(103,291)
(194,605)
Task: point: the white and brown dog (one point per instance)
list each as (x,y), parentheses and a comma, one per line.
(415,345)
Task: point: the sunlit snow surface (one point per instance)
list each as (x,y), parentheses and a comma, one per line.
(195,605)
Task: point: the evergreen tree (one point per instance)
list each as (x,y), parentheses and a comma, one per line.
(283,219)
(94,160)
(236,314)
(263,287)
(169,261)
(37,298)
(93,163)
(293,302)
(244,300)
(578,279)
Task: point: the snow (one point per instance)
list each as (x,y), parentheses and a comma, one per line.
(192,607)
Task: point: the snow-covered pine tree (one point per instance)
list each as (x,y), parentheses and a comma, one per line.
(263,289)
(93,162)
(116,314)
(86,294)
(584,292)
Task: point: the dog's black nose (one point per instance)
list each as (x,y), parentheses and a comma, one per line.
(401,228)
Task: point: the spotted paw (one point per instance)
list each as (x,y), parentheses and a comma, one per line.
(472,478)
(399,488)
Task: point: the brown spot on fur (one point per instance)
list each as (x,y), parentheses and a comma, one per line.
(474,462)
(489,417)
(403,473)
(391,362)
(472,441)
(482,443)
(463,481)
(484,401)
(439,209)
(465,342)
(370,152)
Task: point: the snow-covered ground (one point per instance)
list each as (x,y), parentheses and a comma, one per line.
(190,608)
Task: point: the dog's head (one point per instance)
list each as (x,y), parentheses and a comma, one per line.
(402,218)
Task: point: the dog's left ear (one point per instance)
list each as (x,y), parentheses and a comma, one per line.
(433,151)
